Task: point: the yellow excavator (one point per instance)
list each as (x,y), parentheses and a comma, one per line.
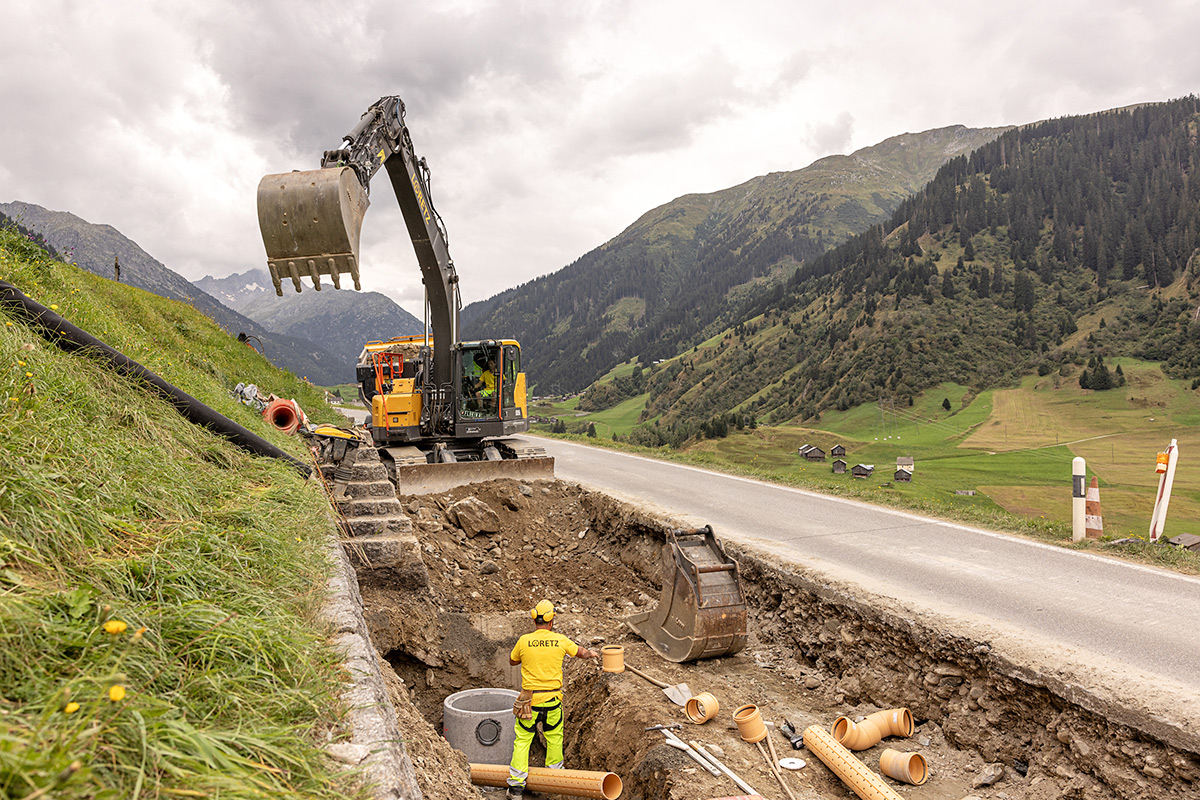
(443,411)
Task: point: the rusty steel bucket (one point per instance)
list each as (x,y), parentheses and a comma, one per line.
(702,611)
(310,223)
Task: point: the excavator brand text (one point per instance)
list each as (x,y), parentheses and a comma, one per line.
(421,199)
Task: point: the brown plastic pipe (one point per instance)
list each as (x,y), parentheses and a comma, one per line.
(907,767)
(860,736)
(573,782)
(855,774)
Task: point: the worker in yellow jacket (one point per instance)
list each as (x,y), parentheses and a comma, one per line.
(540,655)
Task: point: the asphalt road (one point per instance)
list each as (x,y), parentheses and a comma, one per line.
(1090,609)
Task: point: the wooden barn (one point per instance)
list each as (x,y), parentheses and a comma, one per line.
(839,466)
(811,453)
(838,451)
(903,475)
(862,470)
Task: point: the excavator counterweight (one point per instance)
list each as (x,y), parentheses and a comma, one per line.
(310,223)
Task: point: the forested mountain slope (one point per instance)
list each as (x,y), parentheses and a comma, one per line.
(1067,241)
(651,291)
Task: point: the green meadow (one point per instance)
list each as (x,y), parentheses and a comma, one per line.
(1013,448)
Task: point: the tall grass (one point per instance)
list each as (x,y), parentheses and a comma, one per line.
(158,587)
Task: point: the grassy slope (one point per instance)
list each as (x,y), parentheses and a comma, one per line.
(113,508)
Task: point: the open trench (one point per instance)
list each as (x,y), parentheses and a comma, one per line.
(988,727)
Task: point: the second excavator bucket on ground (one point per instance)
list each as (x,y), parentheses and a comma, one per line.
(310,223)
(702,611)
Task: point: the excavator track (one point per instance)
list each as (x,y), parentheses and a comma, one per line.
(520,449)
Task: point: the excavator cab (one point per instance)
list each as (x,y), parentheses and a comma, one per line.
(493,386)
(310,223)
(702,611)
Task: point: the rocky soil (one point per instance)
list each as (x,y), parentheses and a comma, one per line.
(989,727)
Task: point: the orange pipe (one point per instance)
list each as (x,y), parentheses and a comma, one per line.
(750,724)
(860,736)
(855,774)
(284,415)
(908,767)
(612,658)
(701,708)
(573,782)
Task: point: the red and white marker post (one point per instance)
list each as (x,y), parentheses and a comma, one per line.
(1078,500)
(1165,467)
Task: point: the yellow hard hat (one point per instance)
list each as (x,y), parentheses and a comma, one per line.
(543,611)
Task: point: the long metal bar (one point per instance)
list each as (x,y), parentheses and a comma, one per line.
(745,787)
(675,741)
(680,745)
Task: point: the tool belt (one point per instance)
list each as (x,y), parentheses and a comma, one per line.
(523,707)
(537,714)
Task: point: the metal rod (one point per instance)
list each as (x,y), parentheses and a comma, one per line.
(775,761)
(678,743)
(771,765)
(745,787)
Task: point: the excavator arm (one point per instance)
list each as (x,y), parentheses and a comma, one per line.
(311,222)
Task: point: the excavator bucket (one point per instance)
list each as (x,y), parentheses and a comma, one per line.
(310,223)
(702,611)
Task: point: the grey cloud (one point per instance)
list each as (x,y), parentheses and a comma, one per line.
(832,136)
(660,112)
(307,71)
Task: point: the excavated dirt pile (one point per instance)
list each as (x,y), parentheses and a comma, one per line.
(988,728)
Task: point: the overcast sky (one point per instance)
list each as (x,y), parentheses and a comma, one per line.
(548,126)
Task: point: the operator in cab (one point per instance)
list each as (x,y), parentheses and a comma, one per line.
(487,379)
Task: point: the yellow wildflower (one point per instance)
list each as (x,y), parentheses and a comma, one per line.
(71,708)
(116,693)
(28,374)
(114,626)
(53,307)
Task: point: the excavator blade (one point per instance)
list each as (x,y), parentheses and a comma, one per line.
(702,611)
(409,469)
(310,223)
(436,478)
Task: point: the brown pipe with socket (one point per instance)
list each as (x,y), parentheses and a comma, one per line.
(908,767)
(861,735)
(573,782)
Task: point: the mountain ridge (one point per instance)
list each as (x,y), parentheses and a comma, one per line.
(344,319)
(1058,245)
(652,289)
(94,246)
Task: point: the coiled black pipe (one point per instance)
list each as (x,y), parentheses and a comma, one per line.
(70,338)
